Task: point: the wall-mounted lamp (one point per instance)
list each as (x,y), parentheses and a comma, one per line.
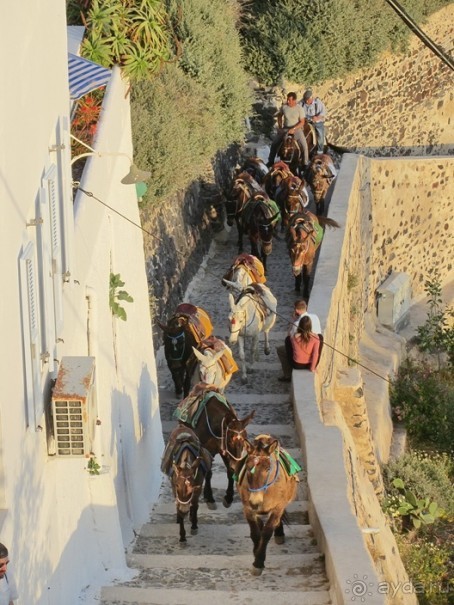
(135,175)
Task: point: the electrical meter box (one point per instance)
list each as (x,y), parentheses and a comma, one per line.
(394,301)
(74,409)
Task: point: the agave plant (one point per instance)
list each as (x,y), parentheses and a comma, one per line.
(134,34)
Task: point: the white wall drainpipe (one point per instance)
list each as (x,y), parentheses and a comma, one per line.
(93,351)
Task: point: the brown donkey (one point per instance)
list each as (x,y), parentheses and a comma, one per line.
(267,483)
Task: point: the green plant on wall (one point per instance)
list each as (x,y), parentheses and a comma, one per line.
(92,466)
(133,34)
(413,511)
(436,335)
(116,295)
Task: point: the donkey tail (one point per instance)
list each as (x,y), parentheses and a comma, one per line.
(325,221)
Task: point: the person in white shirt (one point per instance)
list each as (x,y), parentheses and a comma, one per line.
(8,590)
(315,112)
(299,310)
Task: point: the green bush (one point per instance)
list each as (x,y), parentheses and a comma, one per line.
(426,552)
(195,106)
(424,399)
(428,475)
(309,42)
(430,568)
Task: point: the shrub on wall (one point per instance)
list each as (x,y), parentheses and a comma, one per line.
(309,42)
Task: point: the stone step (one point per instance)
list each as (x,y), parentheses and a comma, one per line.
(164,512)
(222,539)
(254,596)
(312,562)
(219,486)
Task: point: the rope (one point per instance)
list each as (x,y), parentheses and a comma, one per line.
(413,26)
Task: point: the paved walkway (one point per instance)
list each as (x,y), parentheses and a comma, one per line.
(214,566)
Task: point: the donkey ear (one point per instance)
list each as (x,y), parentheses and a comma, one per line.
(195,465)
(231,284)
(200,356)
(272,446)
(231,301)
(217,356)
(248,418)
(248,446)
(161,325)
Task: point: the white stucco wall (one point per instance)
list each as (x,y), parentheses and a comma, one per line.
(66,529)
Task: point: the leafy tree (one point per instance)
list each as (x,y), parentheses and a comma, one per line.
(195,106)
(309,42)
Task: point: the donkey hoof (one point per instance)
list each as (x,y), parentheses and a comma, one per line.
(279,539)
(267,351)
(226,503)
(183,542)
(211,505)
(244,380)
(256,571)
(194,531)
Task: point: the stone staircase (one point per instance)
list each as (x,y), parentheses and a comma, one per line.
(214,566)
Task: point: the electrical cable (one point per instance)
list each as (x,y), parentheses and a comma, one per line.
(413,26)
(92,195)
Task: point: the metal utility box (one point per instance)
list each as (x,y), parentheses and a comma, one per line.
(394,301)
(73,405)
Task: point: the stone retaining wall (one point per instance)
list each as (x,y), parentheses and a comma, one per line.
(385,226)
(404,105)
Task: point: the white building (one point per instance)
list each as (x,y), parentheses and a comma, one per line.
(65,528)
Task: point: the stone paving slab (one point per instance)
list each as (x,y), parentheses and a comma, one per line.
(144,596)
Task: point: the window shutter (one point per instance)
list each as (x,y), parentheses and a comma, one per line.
(31,334)
(50,185)
(66,195)
(46,280)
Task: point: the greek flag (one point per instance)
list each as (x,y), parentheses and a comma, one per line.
(85,76)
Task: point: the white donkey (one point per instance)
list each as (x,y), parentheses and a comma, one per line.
(215,363)
(252,312)
(245,269)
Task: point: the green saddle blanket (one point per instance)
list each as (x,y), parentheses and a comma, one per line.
(190,409)
(287,462)
(318,234)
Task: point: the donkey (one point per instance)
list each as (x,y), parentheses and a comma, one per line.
(213,363)
(220,431)
(252,312)
(187,464)
(267,483)
(320,176)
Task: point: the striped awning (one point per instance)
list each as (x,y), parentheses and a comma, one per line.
(85,76)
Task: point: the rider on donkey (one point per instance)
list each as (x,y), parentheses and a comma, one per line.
(290,120)
(315,113)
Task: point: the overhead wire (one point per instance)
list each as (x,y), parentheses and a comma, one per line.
(425,39)
(157,238)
